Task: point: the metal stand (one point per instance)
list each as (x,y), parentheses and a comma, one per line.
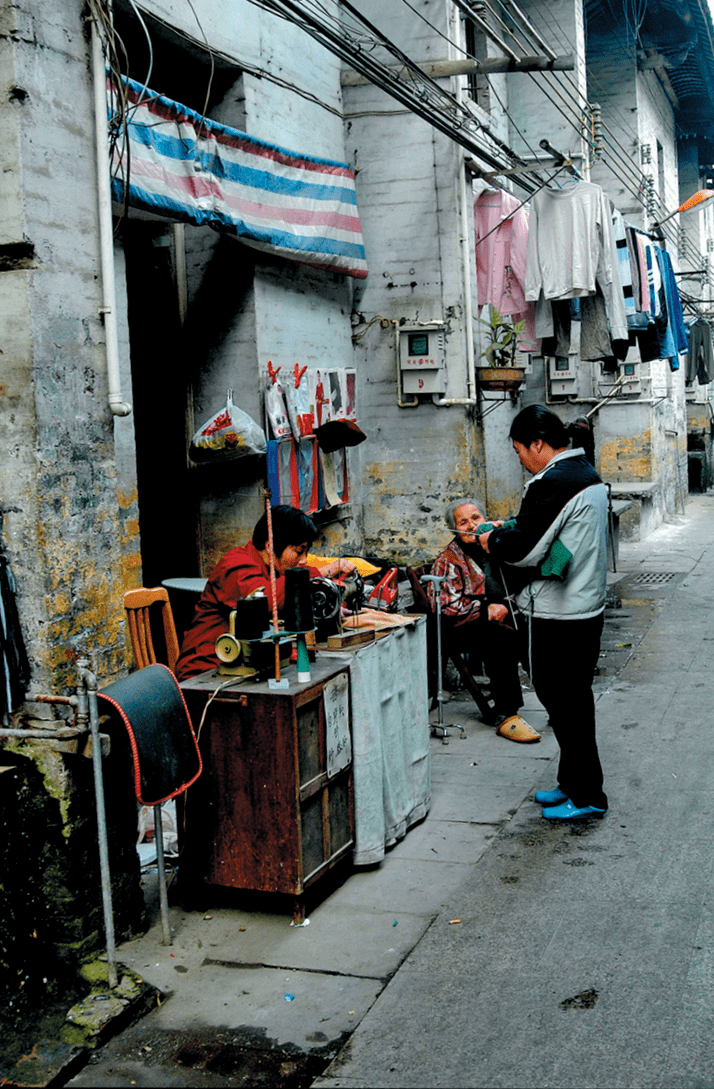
(161,866)
(87,709)
(440,729)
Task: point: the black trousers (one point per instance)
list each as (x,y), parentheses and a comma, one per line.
(497,646)
(563,657)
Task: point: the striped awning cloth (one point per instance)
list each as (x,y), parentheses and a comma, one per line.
(187,167)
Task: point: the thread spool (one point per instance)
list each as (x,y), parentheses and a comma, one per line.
(297,613)
(252,617)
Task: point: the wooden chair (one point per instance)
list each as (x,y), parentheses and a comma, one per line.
(451,649)
(138,605)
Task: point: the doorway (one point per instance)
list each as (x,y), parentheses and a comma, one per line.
(162,402)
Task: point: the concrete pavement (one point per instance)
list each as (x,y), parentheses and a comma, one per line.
(582,954)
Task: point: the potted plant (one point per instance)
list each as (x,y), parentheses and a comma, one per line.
(501,371)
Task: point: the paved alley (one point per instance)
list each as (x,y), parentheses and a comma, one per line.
(489,948)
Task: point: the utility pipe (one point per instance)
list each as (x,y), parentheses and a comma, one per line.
(106,243)
(464,212)
(67,734)
(87,708)
(443,69)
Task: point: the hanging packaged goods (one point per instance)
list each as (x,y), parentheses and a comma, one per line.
(306,459)
(230,433)
(179,164)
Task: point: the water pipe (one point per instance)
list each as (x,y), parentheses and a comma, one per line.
(465,211)
(88,709)
(108,309)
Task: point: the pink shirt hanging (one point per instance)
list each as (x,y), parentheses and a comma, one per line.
(501,246)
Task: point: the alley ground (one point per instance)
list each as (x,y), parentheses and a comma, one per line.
(490,948)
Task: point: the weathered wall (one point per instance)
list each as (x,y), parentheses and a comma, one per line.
(644,440)
(612,82)
(73,528)
(537,116)
(50,890)
(244,307)
(408,192)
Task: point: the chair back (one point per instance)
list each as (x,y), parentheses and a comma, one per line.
(422,601)
(138,605)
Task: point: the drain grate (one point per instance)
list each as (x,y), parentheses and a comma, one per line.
(654,578)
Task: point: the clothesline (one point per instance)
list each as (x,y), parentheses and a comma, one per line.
(522,203)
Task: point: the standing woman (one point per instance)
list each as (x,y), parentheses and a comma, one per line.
(566,502)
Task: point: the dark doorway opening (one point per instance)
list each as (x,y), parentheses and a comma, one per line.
(160,383)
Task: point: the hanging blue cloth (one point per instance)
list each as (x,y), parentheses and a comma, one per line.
(674,303)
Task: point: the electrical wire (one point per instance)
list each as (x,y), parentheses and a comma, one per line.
(491,85)
(432,102)
(544,15)
(366,39)
(151,56)
(115,57)
(204,111)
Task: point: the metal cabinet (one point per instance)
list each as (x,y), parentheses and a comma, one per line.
(274,808)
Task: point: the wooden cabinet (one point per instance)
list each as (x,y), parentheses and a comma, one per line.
(274,807)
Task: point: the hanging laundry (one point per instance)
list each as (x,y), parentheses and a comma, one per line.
(501,243)
(700,362)
(571,251)
(676,340)
(666,336)
(625,264)
(640,318)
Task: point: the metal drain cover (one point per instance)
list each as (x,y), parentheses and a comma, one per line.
(653,578)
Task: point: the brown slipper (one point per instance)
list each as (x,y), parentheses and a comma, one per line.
(516,728)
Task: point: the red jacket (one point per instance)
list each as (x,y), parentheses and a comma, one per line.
(236,575)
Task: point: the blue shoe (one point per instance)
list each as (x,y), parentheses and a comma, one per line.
(550,797)
(569,812)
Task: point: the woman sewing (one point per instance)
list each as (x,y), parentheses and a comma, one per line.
(565,504)
(481,627)
(241,572)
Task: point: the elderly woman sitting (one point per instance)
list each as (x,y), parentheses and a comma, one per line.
(480,625)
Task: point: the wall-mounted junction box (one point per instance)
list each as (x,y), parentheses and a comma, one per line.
(627,377)
(563,375)
(631,381)
(421,358)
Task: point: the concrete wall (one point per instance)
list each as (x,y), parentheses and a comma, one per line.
(644,439)
(537,111)
(409,196)
(71,526)
(244,307)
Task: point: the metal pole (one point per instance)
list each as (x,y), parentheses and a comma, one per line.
(611,526)
(163,897)
(87,698)
(440,730)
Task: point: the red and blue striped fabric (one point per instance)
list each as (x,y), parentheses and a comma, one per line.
(187,167)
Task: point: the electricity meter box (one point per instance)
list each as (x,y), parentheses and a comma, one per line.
(630,378)
(563,375)
(421,358)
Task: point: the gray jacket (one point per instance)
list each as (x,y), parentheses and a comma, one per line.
(565,501)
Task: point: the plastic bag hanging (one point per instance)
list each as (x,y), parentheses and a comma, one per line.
(297,397)
(275,407)
(231,433)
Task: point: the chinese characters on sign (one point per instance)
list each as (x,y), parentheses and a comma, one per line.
(337,724)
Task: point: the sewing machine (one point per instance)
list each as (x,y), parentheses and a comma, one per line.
(328,597)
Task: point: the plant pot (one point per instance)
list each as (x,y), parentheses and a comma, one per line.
(507,378)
